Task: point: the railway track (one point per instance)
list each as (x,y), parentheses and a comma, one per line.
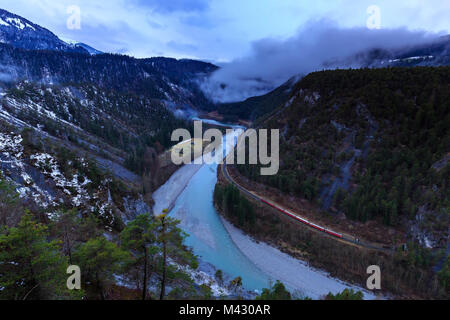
(323,230)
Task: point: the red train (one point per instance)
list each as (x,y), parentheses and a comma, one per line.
(304,221)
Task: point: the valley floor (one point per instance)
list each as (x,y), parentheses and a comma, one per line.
(296,274)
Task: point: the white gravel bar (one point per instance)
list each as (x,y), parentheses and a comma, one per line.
(295,274)
(168,193)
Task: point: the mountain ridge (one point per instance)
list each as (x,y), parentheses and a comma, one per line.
(73,122)
(22,33)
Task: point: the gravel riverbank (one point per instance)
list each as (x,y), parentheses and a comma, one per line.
(294,273)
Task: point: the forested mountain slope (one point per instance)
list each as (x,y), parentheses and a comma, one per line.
(434,53)
(257,107)
(62,145)
(125,74)
(115,112)
(81,133)
(22,33)
(373,144)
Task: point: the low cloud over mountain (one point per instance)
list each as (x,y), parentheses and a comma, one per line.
(319,45)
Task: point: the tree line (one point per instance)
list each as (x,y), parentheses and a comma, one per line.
(400,121)
(146,255)
(230,202)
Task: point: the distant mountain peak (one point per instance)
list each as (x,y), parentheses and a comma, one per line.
(22,33)
(76,44)
(8,19)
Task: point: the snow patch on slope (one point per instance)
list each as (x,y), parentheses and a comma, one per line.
(75,187)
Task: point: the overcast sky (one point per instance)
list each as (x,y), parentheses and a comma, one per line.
(215,30)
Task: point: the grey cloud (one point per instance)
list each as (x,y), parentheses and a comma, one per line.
(184,47)
(199,21)
(317,46)
(99,36)
(169,6)
(151,21)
